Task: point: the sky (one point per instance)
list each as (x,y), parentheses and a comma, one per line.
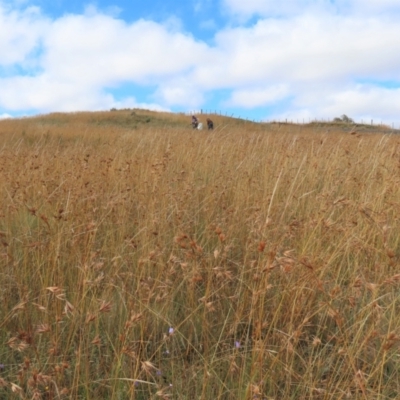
(263,60)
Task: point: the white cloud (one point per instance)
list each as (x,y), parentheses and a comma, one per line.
(182,92)
(44,94)
(20,34)
(5,116)
(305,48)
(310,56)
(101,49)
(91,10)
(269,8)
(363,101)
(80,55)
(249,98)
(370,6)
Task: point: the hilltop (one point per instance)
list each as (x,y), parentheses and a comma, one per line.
(133,119)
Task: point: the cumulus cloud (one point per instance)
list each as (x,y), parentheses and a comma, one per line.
(362,102)
(45,94)
(370,6)
(305,48)
(20,34)
(320,57)
(271,8)
(256,97)
(5,116)
(100,49)
(180,92)
(79,55)
(307,55)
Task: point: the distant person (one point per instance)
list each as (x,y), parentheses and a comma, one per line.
(195,122)
(210,124)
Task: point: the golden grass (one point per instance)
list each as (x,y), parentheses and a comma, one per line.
(141,259)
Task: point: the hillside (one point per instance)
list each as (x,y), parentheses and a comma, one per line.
(131,119)
(141,259)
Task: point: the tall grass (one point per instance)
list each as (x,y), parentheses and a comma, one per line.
(151,261)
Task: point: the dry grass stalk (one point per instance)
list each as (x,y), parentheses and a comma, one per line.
(258,261)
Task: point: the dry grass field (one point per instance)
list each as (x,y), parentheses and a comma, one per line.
(143,260)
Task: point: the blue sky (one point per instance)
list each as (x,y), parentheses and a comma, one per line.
(260,59)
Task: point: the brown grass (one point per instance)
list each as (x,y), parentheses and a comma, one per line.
(141,259)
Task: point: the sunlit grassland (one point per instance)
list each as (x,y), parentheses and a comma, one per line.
(141,259)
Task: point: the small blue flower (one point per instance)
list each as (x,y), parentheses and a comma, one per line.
(237,344)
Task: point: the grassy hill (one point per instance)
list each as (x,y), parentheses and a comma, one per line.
(142,119)
(141,259)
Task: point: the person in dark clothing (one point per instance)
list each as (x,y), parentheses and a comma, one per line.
(210,124)
(195,122)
